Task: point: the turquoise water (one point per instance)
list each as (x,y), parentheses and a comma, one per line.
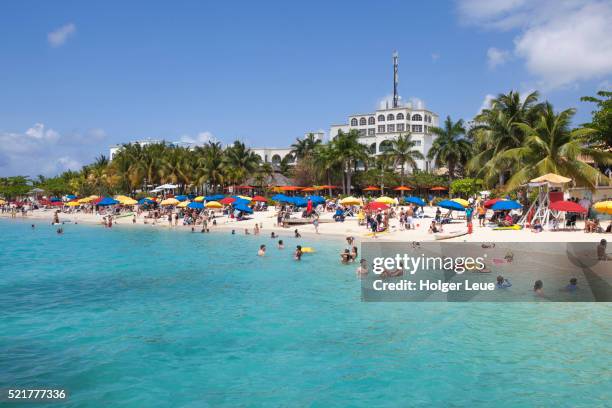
(153,318)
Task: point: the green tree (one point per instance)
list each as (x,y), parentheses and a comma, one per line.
(601,120)
(403,153)
(349,152)
(450,148)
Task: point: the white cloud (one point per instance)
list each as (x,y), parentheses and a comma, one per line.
(42,150)
(561,42)
(59,36)
(199,139)
(486,103)
(496,57)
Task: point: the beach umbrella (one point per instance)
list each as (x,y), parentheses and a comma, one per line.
(371,188)
(326,187)
(402,188)
(451,205)
(489,203)
(568,206)
(198,199)
(214,197)
(309,189)
(243,208)
(145,201)
(316,200)
(376,205)
(300,202)
(415,200)
(247,198)
(604,207)
(504,205)
(278,197)
(55,199)
(2,202)
(170,201)
(289,188)
(73,204)
(551,178)
(260,199)
(227,200)
(129,201)
(214,204)
(195,205)
(438,188)
(386,200)
(107,201)
(70,196)
(181,197)
(350,200)
(182,204)
(461,201)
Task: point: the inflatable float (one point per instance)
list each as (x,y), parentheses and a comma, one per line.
(307,250)
(512,227)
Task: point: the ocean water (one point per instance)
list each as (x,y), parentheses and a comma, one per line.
(146,317)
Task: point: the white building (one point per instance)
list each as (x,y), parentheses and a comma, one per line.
(378,129)
(274,155)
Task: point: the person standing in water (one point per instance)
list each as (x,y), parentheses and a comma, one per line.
(262,250)
(298,253)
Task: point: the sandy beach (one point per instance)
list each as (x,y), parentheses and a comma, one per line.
(328,228)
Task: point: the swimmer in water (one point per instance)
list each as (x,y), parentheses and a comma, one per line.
(281,245)
(538,288)
(298,253)
(233,232)
(345,257)
(572,287)
(502,283)
(60,230)
(246,232)
(272,235)
(262,250)
(297,234)
(362,270)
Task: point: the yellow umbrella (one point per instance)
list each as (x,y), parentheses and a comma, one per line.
(351,201)
(2,202)
(169,201)
(603,207)
(461,201)
(199,199)
(121,198)
(245,197)
(129,201)
(73,204)
(213,204)
(182,204)
(386,200)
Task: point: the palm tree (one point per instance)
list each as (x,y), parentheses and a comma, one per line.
(402,152)
(349,152)
(241,161)
(450,147)
(496,131)
(326,160)
(551,147)
(304,147)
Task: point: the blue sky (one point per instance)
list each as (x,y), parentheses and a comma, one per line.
(77,77)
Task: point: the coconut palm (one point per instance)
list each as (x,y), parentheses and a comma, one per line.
(450,148)
(304,147)
(349,151)
(326,161)
(402,153)
(551,147)
(241,161)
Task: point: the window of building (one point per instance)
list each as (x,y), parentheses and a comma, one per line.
(362,132)
(417,143)
(417,128)
(371,120)
(400,116)
(381,128)
(362,121)
(381,118)
(372,148)
(276,159)
(384,146)
(426,129)
(354,122)
(390,128)
(371,132)
(400,127)
(417,117)
(390,117)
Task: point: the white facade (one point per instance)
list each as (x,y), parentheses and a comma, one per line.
(274,155)
(377,129)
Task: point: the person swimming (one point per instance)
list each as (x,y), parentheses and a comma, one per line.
(272,235)
(60,230)
(262,250)
(281,245)
(298,253)
(345,257)
(538,288)
(502,283)
(233,232)
(572,286)
(297,234)
(362,270)
(246,232)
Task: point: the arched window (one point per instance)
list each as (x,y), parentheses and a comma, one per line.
(417,117)
(354,122)
(400,116)
(384,146)
(381,118)
(371,120)
(276,159)
(362,121)
(290,158)
(372,148)
(390,117)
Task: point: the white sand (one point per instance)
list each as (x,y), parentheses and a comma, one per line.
(347,228)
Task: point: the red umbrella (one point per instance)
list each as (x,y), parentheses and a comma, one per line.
(568,206)
(227,200)
(439,188)
(402,188)
(244,187)
(489,203)
(374,205)
(260,198)
(309,189)
(371,188)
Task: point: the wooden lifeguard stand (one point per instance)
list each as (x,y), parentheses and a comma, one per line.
(541,206)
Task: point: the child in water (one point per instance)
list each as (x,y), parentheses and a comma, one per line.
(298,253)
(262,250)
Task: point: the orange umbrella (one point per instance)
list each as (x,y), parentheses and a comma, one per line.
(290,188)
(371,188)
(402,188)
(309,189)
(324,187)
(438,188)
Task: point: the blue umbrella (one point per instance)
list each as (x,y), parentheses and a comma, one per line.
(243,208)
(300,202)
(316,200)
(191,196)
(214,197)
(415,200)
(181,197)
(108,201)
(71,196)
(196,206)
(278,197)
(145,201)
(451,205)
(240,201)
(55,199)
(506,205)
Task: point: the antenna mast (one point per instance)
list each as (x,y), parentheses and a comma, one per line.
(395,79)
